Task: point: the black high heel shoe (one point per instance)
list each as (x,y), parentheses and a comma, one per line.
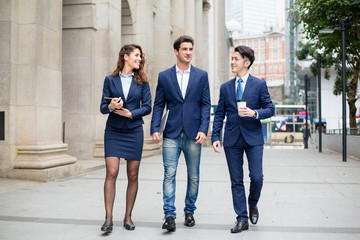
(107,228)
(129,227)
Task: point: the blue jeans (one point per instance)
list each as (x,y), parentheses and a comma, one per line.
(172,148)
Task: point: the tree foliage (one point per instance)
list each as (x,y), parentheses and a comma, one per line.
(314,15)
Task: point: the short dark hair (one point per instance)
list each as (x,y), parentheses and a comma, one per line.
(182,39)
(247,53)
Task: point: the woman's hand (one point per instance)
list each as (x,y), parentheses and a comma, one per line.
(123,112)
(116,103)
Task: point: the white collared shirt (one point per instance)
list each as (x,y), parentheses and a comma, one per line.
(183,79)
(243,84)
(126,83)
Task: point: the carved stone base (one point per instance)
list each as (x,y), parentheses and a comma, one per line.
(99,150)
(45,175)
(43,156)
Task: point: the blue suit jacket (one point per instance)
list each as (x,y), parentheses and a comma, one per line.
(138,102)
(257,98)
(192,113)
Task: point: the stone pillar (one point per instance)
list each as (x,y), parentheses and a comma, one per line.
(164,56)
(34,109)
(144,36)
(9,43)
(190,24)
(199,46)
(91,43)
(219,67)
(177,18)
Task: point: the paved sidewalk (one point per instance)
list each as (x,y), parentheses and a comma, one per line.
(306,195)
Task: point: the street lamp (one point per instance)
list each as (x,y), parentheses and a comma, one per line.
(319,102)
(343,51)
(306,135)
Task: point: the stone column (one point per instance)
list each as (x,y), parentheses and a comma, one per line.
(190,24)
(91,43)
(164,56)
(199,44)
(177,18)
(35,109)
(144,35)
(219,67)
(9,43)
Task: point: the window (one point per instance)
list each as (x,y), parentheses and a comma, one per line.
(275,54)
(256,69)
(280,67)
(270,68)
(262,69)
(275,68)
(262,56)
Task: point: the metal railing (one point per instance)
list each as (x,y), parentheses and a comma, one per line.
(349,131)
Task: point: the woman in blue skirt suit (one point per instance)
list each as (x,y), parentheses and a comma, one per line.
(128,86)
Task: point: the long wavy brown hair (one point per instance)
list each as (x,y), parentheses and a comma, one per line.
(139,75)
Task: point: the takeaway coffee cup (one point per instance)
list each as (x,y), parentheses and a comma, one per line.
(241,103)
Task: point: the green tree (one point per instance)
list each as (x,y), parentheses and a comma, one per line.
(314,15)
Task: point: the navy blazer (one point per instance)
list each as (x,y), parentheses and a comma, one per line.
(138,102)
(192,113)
(257,98)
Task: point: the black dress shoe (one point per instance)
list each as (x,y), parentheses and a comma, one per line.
(240,225)
(189,220)
(107,227)
(129,227)
(254,214)
(169,224)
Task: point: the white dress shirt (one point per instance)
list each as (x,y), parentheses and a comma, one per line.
(126,83)
(243,84)
(183,79)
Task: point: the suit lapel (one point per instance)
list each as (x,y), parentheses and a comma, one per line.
(118,85)
(133,85)
(247,86)
(174,80)
(232,91)
(191,80)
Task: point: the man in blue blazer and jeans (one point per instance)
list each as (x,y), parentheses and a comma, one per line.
(184,89)
(243,132)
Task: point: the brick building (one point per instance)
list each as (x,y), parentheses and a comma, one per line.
(269,60)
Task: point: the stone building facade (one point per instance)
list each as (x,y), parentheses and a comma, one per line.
(55,55)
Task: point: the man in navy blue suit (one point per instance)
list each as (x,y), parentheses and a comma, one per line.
(243,132)
(184,89)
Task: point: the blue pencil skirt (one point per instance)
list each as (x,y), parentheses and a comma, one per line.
(124,143)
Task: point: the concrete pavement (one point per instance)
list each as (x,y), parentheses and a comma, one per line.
(306,195)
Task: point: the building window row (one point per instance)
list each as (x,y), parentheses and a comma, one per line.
(272,68)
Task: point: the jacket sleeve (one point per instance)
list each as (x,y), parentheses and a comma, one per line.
(145,108)
(104,107)
(159,105)
(219,118)
(205,106)
(267,107)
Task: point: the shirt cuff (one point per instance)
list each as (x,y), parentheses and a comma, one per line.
(111,110)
